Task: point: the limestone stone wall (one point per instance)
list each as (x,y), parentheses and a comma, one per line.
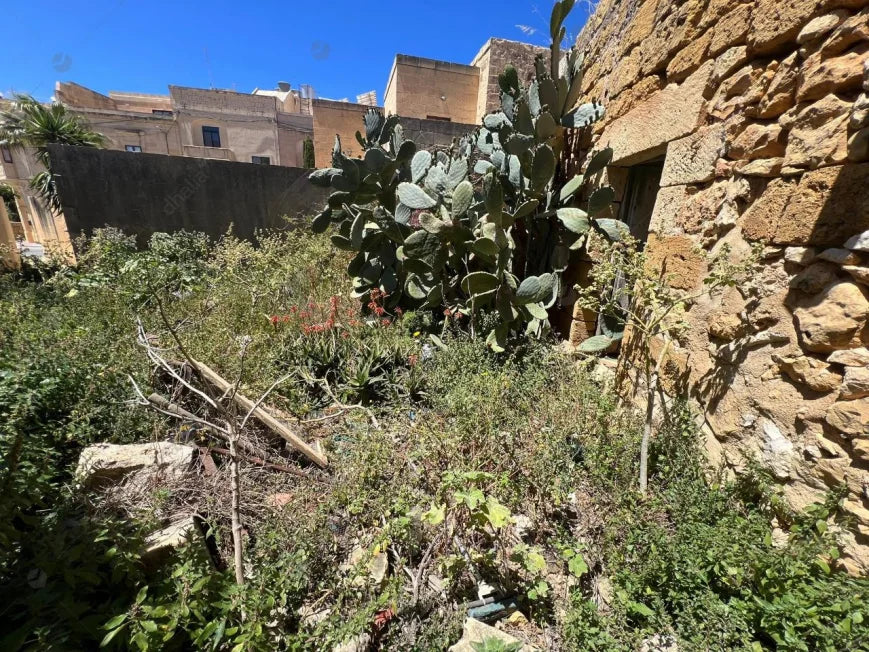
(425,88)
(760,109)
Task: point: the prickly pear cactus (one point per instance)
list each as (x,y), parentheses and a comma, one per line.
(491,224)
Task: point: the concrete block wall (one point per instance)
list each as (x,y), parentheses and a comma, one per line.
(761,110)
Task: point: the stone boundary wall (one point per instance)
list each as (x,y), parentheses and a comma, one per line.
(760,110)
(145,193)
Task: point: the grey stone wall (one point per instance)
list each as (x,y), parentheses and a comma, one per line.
(146,193)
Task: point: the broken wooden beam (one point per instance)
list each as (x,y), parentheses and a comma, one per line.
(173,408)
(263,416)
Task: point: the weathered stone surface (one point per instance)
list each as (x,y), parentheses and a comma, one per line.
(840,256)
(854,30)
(850,417)
(729,61)
(779,95)
(859,112)
(820,77)
(669,114)
(856,509)
(626,73)
(850,357)
(811,372)
(758,141)
(159,544)
(777,449)
(725,326)
(835,318)
(678,257)
(814,278)
(819,134)
(692,159)
(708,212)
(818,27)
(762,167)
(800,255)
(858,146)
(642,24)
(731,29)
(633,96)
(856,383)
(688,59)
(742,89)
(110,462)
(858,273)
(860,448)
(859,242)
(823,207)
(777,22)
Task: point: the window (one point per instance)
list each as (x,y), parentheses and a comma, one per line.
(438,117)
(7,155)
(133,148)
(211,136)
(635,210)
(261,160)
(162,112)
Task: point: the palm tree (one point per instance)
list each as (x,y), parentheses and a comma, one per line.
(30,123)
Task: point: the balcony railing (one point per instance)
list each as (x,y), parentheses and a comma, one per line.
(198,151)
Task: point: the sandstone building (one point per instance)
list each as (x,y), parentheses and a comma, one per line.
(742,122)
(438,100)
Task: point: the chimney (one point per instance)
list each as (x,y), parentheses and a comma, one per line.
(283,86)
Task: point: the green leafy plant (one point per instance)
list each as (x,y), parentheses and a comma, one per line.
(491,223)
(627,292)
(29,123)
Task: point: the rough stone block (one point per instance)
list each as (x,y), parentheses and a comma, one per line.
(731,29)
(820,76)
(111,462)
(850,357)
(775,23)
(858,146)
(850,417)
(835,318)
(824,207)
(669,114)
(692,159)
(688,59)
(819,134)
(762,167)
(852,31)
(818,27)
(856,383)
(779,95)
(678,258)
(758,141)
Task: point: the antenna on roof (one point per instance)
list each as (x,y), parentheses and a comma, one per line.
(208,66)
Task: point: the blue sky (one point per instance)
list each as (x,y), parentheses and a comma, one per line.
(341,47)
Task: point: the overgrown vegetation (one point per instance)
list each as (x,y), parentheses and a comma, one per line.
(513,470)
(491,224)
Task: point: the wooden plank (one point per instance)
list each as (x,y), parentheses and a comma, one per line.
(263,416)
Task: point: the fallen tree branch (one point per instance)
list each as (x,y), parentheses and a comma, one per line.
(263,416)
(181,413)
(261,462)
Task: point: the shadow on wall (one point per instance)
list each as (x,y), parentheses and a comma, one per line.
(145,193)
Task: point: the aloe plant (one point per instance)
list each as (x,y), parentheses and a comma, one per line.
(492,223)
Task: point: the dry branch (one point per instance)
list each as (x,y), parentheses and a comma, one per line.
(263,416)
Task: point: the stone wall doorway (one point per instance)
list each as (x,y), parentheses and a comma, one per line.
(635,210)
